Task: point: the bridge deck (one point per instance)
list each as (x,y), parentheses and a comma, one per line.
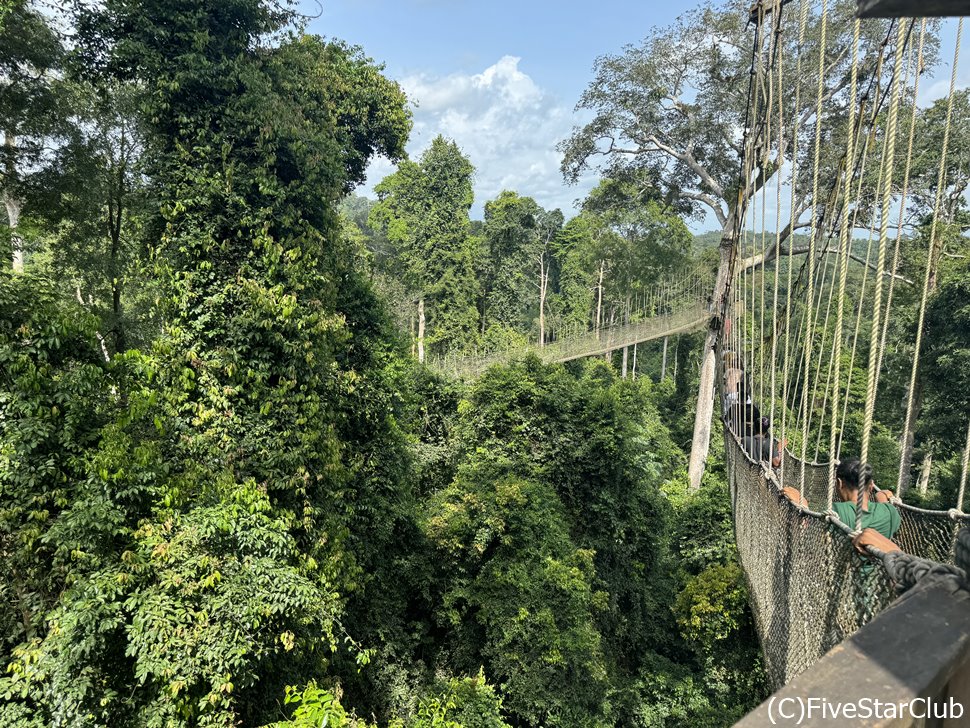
(592,343)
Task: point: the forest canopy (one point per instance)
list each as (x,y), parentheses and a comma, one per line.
(234,488)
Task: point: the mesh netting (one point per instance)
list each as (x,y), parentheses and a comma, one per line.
(929,534)
(809,588)
(816,479)
(923,533)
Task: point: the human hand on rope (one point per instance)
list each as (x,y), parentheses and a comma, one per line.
(883,496)
(872,537)
(794,496)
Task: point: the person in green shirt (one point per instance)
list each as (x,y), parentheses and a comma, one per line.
(877,512)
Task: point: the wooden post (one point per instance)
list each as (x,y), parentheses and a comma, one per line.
(421,328)
(663,364)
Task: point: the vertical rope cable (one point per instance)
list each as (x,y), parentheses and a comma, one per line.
(825,327)
(963,471)
(900,485)
(779,176)
(836,454)
(746,319)
(803,21)
(855,341)
(814,230)
(844,242)
(902,199)
(887,182)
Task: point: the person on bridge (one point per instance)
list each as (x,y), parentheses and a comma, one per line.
(763,446)
(878,513)
(733,377)
(744,416)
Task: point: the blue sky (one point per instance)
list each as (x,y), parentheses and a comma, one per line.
(502,78)
(499,77)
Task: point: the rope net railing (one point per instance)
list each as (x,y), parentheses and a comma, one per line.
(808,587)
(833,103)
(672,308)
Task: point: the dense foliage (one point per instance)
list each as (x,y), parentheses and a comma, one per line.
(230,492)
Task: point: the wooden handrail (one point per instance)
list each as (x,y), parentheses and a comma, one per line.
(913,656)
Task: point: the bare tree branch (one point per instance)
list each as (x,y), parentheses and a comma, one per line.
(756,261)
(711,202)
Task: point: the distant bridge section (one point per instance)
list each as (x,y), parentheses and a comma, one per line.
(689,316)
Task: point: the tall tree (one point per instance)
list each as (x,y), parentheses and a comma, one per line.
(30,108)
(214,509)
(671,107)
(517,267)
(92,199)
(423,210)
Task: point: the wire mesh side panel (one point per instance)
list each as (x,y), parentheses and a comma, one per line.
(816,480)
(809,590)
(929,534)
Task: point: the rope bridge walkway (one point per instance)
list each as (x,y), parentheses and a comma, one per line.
(793,334)
(672,309)
(809,587)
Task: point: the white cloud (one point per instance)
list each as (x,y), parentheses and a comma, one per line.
(504,122)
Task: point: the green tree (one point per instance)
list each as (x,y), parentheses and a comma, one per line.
(423,210)
(668,110)
(31,113)
(946,362)
(249,472)
(555,527)
(91,201)
(517,268)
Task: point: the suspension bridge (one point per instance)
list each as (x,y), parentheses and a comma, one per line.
(828,149)
(831,617)
(676,307)
(835,621)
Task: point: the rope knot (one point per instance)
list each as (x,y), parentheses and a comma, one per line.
(956,514)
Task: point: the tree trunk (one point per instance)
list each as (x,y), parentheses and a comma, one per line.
(115,215)
(676,357)
(421,329)
(924,473)
(414,338)
(701,442)
(599,302)
(13,206)
(543,283)
(663,362)
(633,374)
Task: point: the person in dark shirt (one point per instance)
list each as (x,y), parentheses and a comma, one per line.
(764,447)
(743,416)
